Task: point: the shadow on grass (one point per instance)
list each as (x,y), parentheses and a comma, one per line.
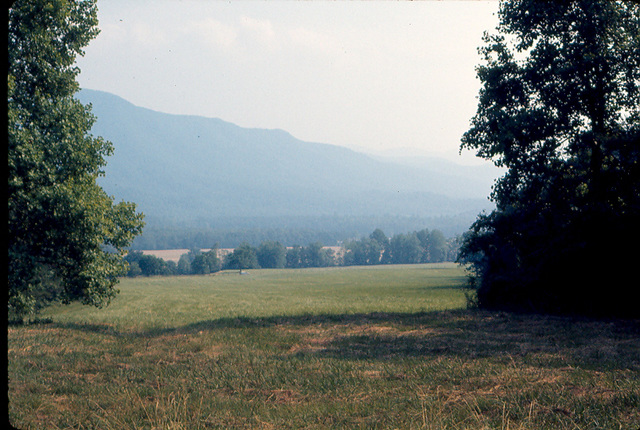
(555,341)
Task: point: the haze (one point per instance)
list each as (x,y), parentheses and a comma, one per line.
(380,77)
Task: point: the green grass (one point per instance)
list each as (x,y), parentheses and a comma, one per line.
(375,347)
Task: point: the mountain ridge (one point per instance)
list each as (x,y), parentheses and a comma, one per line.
(189,167)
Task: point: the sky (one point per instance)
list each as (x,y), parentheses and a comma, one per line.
(383,77)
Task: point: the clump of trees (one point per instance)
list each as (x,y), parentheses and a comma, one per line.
(422,246)
(313,255)
(559,108)
(269,255)
(195,262)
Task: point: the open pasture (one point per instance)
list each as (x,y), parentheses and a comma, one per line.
(350,347)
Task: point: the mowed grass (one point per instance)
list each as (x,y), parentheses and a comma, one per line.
(359,347)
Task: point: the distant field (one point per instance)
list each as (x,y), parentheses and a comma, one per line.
(175,254)
(167,254)
(355,347)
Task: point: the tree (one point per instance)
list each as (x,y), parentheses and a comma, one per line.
(438,247)
(559,108)
(66,235)
(134,270)
(150,265)
(423,237)
(379,236)
(271,255)
(184,265)
(243,257)
(294,257)
(363,252)
(405,249)
(204,263)
(314,255)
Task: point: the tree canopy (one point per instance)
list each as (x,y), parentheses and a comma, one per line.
(559,108)
(66,235)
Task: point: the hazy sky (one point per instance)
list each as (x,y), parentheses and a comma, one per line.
(374,75)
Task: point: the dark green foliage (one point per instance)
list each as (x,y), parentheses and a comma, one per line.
(197,262)
(148,265)
(294,257)
(363,252)
(272,255)
(313,255)
(559,109)
(405,249)
(151,265)
(421,246)
(379,237)
(66,236)
(184,265)
(243,257)
(204,263)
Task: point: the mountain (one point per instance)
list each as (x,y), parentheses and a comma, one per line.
(180,167)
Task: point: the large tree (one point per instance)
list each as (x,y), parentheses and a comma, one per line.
(243,257)
(271,255)
(66,235)
(559,108)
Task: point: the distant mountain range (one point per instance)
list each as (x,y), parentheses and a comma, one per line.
(179,167)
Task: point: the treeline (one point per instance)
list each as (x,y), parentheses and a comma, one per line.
(422,246)
(230,232)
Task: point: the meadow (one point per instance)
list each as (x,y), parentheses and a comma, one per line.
(350,347)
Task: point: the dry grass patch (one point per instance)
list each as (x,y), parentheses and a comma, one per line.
(319,339)
(343,366)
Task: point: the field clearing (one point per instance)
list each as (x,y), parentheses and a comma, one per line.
(175,254)
(348,347)
(167,254)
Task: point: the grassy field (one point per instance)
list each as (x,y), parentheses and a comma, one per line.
(378,347)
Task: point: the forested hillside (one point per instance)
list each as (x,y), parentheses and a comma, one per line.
(189,172)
